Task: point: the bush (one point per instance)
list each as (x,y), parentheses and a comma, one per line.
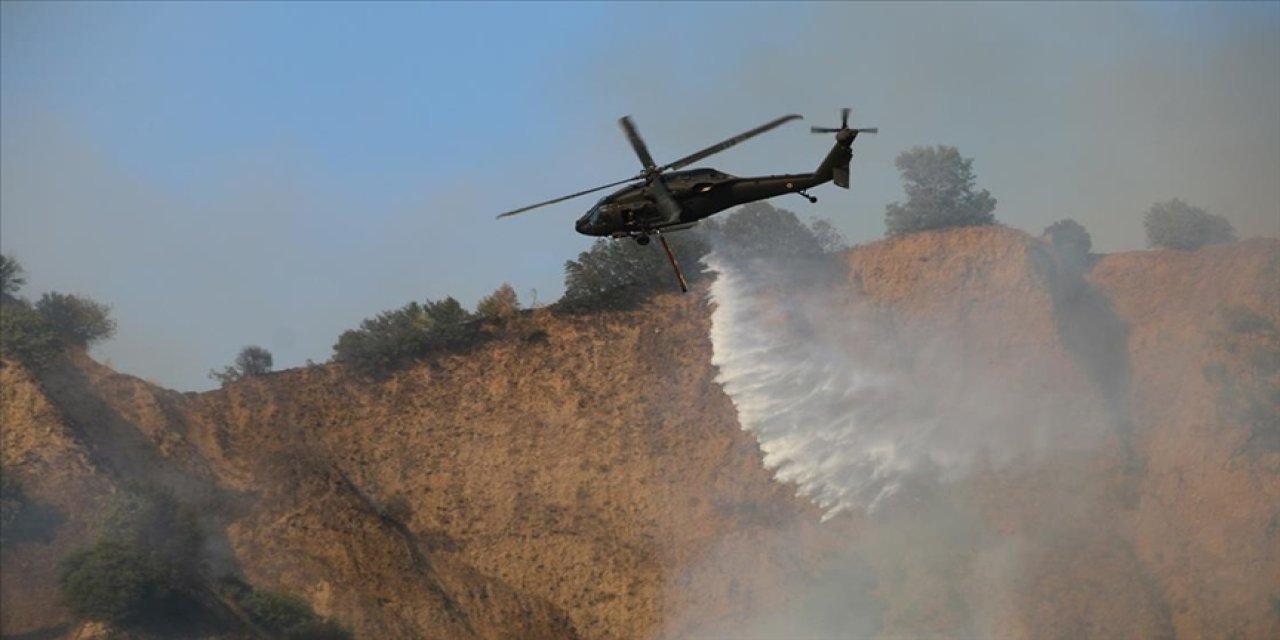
(111,582)
(1238,318)
(277,612)
(616,274)
(1178,225)
(12,500)
(78,321)
(26,336)
(318,630)
(1069,238)
(11,279)
(395,338)
(502,304)
(940,193)
(150,518)
(252,361)
(760,229)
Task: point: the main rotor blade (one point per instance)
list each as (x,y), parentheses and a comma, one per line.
(717,148)
(637,143)
(562,199)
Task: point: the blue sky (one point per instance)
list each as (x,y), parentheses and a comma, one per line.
(271,173)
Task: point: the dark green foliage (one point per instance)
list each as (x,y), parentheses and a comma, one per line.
(26,336)
(277,612)
(289,616)
(502,304)
(1069,238)
(252,361)
(940,193)
(78,321)
(111,581)
(395,338)
(12,500)
(318,630)
(760,229)
(151,518)
(1178,225)
(616,274)
(1238,318)
(11,279)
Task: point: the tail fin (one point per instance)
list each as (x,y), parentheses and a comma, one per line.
(835,167)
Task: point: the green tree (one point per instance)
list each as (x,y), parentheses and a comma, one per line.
(939,184)
(27,336)
(79,321)
(12,500)
(1178,225)
(1069,238)
(250,362)
(615,274)
(502,304)
(760,229)
(395,338)
(111,581)
(11,278)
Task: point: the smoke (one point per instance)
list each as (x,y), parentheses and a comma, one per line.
(847,416)
(887,423)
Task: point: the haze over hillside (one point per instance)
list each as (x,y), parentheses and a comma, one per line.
(954,432)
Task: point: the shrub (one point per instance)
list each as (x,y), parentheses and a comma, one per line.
(1178,225)
(502,304)
(27,336)
(79,321)
(277,612)
(150,518)
(252,361)
(12,500)
(1069,238)
(617,274)
(395,338)
(940,193)
(111,582)
(11,279)
(1238,318)
(760,229)
(318,630)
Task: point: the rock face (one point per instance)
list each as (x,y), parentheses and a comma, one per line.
(597,483)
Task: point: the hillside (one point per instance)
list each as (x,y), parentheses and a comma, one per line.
(1083,471)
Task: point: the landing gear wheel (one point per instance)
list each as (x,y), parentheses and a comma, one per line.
(642,240)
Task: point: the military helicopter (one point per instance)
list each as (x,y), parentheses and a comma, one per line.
(658,202)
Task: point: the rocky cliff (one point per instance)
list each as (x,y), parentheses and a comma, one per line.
(599,483)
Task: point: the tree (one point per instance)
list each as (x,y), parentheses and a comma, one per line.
(111,581)
(252,361)
(27,336)
(502,304)
(1069,238)
(939,184)
(615,274)
(11,278)
(79,321)
(395,338)
(1178,225)
(12,500)
(760,229)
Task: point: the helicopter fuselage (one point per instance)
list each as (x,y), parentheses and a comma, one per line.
(700,193)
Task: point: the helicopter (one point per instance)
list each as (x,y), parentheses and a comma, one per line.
(661,199)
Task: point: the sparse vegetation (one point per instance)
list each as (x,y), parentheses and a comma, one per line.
(12,500)
(288,616)
(1069,238)
(36,334)
(1178,225)
(11,278)
(501,305)
(1238,318)
(395,338)
(940,193)
(252,361)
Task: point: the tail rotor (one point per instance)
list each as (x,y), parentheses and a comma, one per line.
(844,125)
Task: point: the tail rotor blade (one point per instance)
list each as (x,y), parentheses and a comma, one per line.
(822,130)
(844,117)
